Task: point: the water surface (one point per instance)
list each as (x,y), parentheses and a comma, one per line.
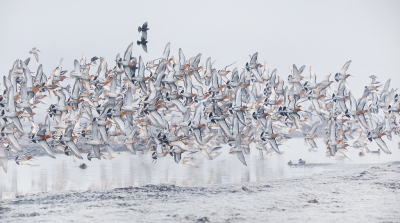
(126,170)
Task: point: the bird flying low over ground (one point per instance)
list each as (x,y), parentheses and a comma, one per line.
(175,106)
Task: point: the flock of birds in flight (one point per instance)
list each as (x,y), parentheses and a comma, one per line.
(171,106)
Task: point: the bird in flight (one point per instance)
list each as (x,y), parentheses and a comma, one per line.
(143,42)
(35,51)
(143,29)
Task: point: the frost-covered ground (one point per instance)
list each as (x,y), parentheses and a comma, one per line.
(350,193)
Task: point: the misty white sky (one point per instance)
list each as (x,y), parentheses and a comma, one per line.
(313,33)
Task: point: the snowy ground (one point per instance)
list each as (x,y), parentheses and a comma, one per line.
(364,192)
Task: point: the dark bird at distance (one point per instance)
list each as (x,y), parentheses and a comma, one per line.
(143,29)
(143,42)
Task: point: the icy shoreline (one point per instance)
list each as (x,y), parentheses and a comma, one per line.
(367,192)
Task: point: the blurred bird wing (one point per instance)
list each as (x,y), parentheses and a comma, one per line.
(144,46)
(238,141)
(353,102)
(141,67)
(345,67)
(128,52)
(382,145)
(95,131)
(313,77)
(36,56)
(182,59)
(387,84)
(241,157)
(4,164)
(314,128)
(166,51)
(10,100)
(179,144)
(253,59)
(197,114)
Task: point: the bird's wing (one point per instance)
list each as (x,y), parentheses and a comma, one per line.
(301,69)
(141,67)
(162,66)
(186,116)
(345,67)
(332,133)
(128,97)
(253,59)
(179,144)
(344,152)
(128,52)
(272,79)
(327,77)
(312,143)
(361,103)
(4,164)
(18,124)
(180,106)
(238,141)
(120,124)
(14,142)
(353,102)
(130,148)
(46,148)
(103,133)
(197,135)
(182,59)
(332,150)
(197,113)
(240,156)
(61,98)
(274,145)
(362,137)
(225,129)
(314,128)
(74,149)
(144,46)
(68,132)
(238,98)
(382,145)
(269,129)
(95,131)
(387,84)
(341,87)
(10,99)
(206,154)
(343,105)
(132,134)
(166,51)
(39,73)
(208,66)
(313,77)
(199,90)
(24,92)
(77,66)
(196,60)
(316,106)
(295,71)
(36,56)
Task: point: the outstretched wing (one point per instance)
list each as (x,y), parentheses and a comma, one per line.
(144,46)
(166,51)
(382,145)
(345,67)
